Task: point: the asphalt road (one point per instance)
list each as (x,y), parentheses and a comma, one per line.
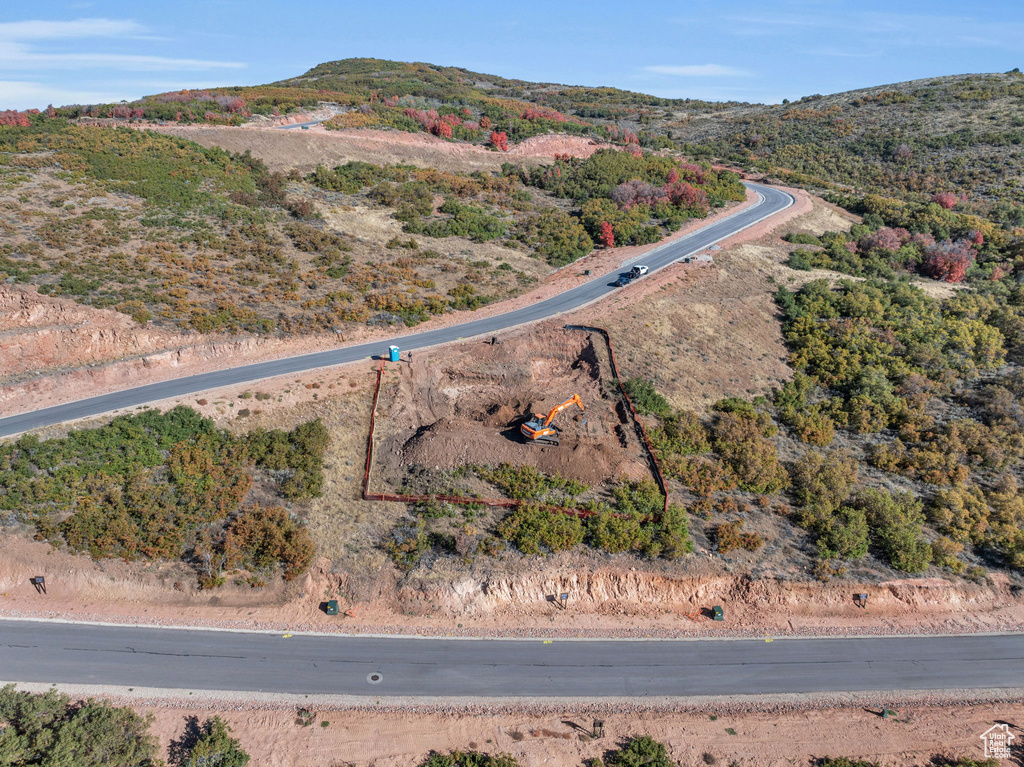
(293,126)
(771,201)
(221,660)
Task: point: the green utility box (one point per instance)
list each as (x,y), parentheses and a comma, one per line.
(332,607)
(717,614)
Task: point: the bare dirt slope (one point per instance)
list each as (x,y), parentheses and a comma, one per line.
(42,333)
(305,149)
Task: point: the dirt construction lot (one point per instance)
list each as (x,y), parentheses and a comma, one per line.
(468,409)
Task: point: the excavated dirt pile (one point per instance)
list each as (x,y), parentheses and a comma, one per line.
(470,409)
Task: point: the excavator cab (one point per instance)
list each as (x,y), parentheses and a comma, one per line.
(540,430)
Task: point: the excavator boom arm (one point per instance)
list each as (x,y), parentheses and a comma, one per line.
(574,399)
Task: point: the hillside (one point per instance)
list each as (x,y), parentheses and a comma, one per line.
(196,238)
(857,388)
(960,134)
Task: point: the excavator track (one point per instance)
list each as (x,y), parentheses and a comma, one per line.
(542,441)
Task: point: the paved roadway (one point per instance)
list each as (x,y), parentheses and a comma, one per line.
(770,202)
(304,125)
(412,667)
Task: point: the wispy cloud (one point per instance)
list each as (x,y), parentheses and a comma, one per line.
(56,30)
(33,45)
(698,70)
(19,56)
(900,29)
(20,92)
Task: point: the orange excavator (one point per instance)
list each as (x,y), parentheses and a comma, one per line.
(540,431)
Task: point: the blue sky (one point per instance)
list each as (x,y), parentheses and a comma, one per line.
(86,52)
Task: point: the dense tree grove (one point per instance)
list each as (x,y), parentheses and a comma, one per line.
(624,200)
(924,389)
(898,237)
(167,486)
(49,729)
(639,197)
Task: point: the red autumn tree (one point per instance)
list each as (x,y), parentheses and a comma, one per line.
(14,118)
(232,104)
(485,122)
(977,238)
(945,200)
(692,172)
(607,236)
(686,196)
(948,261)
(886,238)
(442,129)
(499,140)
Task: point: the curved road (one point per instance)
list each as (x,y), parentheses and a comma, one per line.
(411,667)
(770,201)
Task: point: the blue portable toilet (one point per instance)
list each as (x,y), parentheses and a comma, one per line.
(393,353)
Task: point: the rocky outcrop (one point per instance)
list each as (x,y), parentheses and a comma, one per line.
(607,590)
(42,334)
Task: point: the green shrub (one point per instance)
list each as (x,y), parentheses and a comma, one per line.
(801,238)
(641,751)
(681,433)
(619,532)
(469,759)
(823,480)
(896,521)
(555,236)
(743,444)
(645,398)
(534,530)
(525,483)
(215,746)
(843,534)
(51,729)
